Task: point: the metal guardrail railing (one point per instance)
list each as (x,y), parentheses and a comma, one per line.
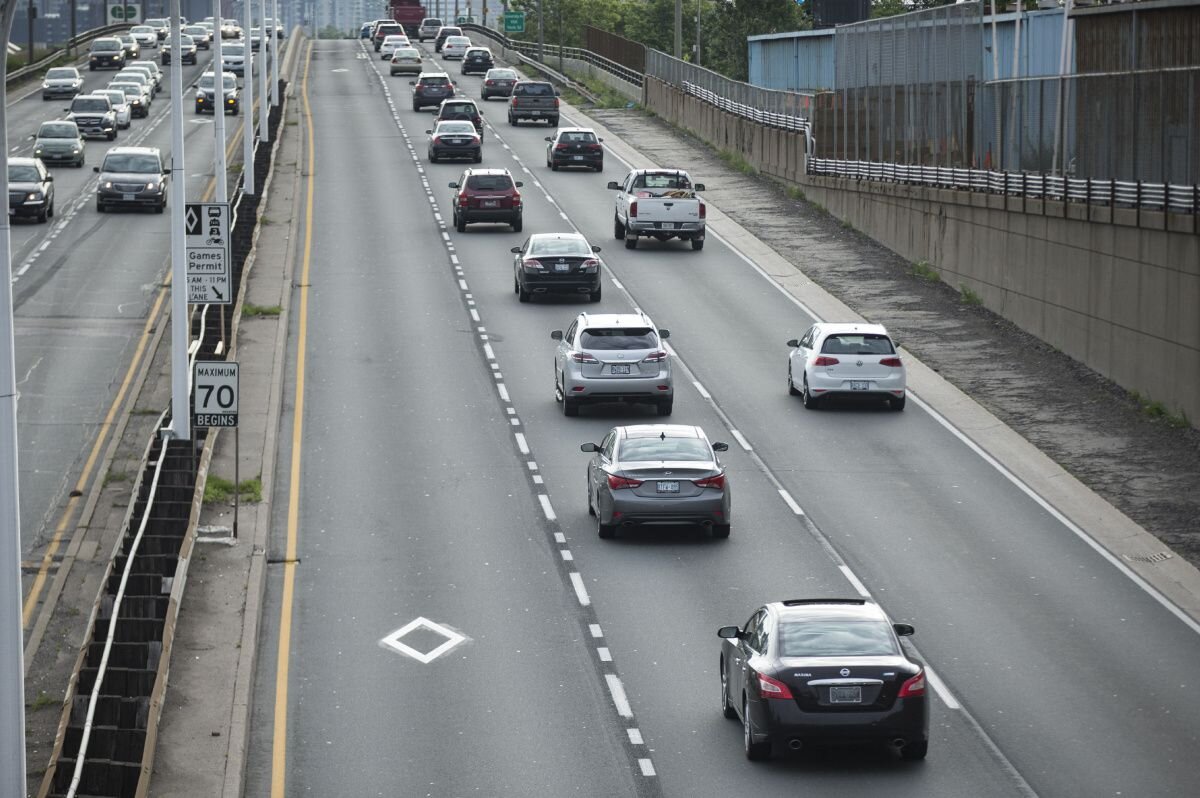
(82,38)
(798,124)
(1092,191)
(530,49)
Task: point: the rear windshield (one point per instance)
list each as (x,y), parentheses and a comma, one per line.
(836,639)
(131,162)
(431,21)
(489,182)
(448,32)
(458,108)
(456,40)
(578,138)
(534,89)
(130,89)
(655,449)
(62,73)
(857,344)
(406,52)
(58,130)
(502,74)
(452,128)
(115,96)
(90,104)
(434,81)
(560,246)
(23,174)
(618,338)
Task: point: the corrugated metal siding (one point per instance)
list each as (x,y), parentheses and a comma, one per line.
(1151,38)
(1041,38)
(800,61)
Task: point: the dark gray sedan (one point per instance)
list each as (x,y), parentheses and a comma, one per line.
(30,189)
(657,474)
(497,83)
(455,139)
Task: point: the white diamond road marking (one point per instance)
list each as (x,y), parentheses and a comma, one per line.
(392,641)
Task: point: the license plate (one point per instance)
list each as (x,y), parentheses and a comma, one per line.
(576,157)
(619,369)
(668,225)
(490,204)
(562,267)
(127,197)
(535,113)
(845,695)
(860,385)
(668,487)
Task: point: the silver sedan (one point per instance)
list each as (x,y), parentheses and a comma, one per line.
(657,474)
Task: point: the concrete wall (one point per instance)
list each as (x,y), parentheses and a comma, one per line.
(576,68)
(1118,290)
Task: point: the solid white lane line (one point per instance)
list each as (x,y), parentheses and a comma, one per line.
(547,510)
(580,591)
(522,444)
(787,497)
(516,422)
(940,687)
(647,767)
(635,736)
(701,389)
(617,691)
(741,439)
(855,581)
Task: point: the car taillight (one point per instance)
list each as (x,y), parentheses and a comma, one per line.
(463,199)
(616,483)
(531,265)
(826,361)
(894,362)
(555,102)
(516,199)
(437,139)
(560,146)
(584,357)
(594,147)
(655,357)
(633,208)
(489,83)
(717,482)
(913,686)
(772,688)
(703,211)
(589,265)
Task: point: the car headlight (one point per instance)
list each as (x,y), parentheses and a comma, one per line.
(108,184)
(37,150)
(45,85)
(151,186)
(33,196)
(75,150)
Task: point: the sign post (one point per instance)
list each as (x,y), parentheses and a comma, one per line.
(215,404)
(206,228)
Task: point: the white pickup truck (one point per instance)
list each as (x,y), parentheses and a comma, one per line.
(658,203)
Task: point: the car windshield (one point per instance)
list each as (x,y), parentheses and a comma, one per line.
(207,81)
(90,105)
(407,52)
(559,246)
(489,182)
(454,127)
(23,174)
(115,96)
(233,49)
(195,30)
(857,344)
(129,89)
(654,449)
(61,73)
(535,89)
(142,29)
(617,338)
(131,162)
(836,639)
(106,44)
(58,130)
(458,108)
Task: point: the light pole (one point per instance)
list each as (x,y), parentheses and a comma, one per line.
(275,60)
(219,106)
(248,125)
(264,129)
(697,32)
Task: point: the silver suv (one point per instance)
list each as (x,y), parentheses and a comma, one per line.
(612,358)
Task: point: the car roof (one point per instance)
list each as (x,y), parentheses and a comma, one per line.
(828,609)
(22,161)
(133,151)
(490,170)
(614,319)
(656,430)
(834,328)
(576,130)
(432,75)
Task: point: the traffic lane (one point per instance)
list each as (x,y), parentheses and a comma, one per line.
(679,574)
(415,504)
(726,348)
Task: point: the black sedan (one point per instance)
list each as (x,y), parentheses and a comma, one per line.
(556,263)
(823,671)
(477,59)
(497,83)
(30,189)
(455,139)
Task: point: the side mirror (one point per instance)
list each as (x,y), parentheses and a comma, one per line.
(556,335)
(49,178)
(412,83)
(557,93)
(515,250)
(429,132)
(588,447)
(729,632)
(699,187)
(903,629)
(720,447)
(518,184)
(549,138)
(96,169)
(595,249)
(599,139)
(453,185)
(613,185)
(793,343)
(664,333)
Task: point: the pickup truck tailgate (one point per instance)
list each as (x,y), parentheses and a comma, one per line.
(665,209)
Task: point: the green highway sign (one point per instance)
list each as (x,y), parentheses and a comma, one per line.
(514,21)
(131,12)
(465,21)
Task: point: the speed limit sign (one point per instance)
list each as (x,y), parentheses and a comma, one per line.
(215,394)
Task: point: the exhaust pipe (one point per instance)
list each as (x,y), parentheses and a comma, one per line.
(626,524)
(899,742)
(795,744)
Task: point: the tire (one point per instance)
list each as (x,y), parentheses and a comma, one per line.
(755,752)
(512,120)
(697,243)
(630,241)
(810,401)
(727,709)
(479,158)
(552,122)
(42,216)
(791,385)
(665,408)
(50,210)
(433,158)
(553,166)
(600,166)
(460,224)
(112,136)
(915,751)
(605,531)
(720,531)
(100,207)
(898,404)
(570,407)
(525,296)
(416,107)
(517,226)
(618,228)
(594,296)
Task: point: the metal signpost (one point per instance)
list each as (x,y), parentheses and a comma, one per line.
(215,404)
(206,234)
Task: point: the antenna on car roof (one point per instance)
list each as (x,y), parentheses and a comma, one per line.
(662,436)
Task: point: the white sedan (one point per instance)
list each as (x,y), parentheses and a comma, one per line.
(846,360)
(455,47)
(391,44)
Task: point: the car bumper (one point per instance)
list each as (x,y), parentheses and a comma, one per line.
(411,69)
(58,91)
(98,132)
(615,389)
(626,507)
(106,63)
(207,106)
(142,199)
(60,157)
(549,284)
(823,385)
(27,209)
(455,152)
(500,215)
(421,102)
(681,229)
(591,160)
(781,721)
(520,114)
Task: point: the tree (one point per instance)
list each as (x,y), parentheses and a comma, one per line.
(725,47)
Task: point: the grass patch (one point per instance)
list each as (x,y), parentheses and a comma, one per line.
(43,701)
(795,193)
(923,270)
(969,296)
(1159,412)
(251,309)
(218,490)
(848,225)
(115,476)
(737,161)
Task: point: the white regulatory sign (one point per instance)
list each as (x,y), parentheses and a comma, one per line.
(214,394)
(206,235)
(209,289)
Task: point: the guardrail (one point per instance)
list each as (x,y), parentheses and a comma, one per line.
(82,38)
(530,49)
(1116,193)
(797,124)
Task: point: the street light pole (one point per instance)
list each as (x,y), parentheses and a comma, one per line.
(248,125)
(219,107)
(275,60)
(264,130)
(12,640)
(181,401)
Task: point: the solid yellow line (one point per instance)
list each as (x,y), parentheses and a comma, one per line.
(39,581)
(279,743)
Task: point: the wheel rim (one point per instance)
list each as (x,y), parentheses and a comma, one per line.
(791,385)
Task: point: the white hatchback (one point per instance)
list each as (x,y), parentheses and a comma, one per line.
(455,47)
(846,360)
(391,44)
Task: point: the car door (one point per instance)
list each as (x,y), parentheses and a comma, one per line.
(520,256)
(597,467)
(801,353)
(744,647)
(565,346)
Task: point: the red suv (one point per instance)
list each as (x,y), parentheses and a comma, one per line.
(486,195)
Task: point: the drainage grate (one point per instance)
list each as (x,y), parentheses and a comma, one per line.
(1161,556)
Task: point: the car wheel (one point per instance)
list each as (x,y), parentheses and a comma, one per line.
(697,243)
(570,406)
(460,224)
(433,158)
(160,208)
(603,530)
(915,750)
(810,401)
(630,241)
(512,120)
(755,752)
(416,107)
(726,708)
(112,135)
(100,207)
(600,166)
(618,228)
(479,157)
(50,212)
(665,407)
(525,296)
(517,225)
(720,531)
(898,404)
(42,215)
(553,166)
(791,385)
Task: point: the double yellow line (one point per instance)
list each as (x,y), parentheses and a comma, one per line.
(64,522)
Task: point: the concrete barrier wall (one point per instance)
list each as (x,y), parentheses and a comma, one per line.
(1118,290)
(575,68)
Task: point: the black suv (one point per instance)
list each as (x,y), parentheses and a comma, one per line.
(206,94)
(477,59)
(461,108)
(431,88)
(106,53)
(132,177)
(30,189)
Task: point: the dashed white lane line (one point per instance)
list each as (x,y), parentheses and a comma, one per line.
(463,285)
(943,692)
(594,628)
(635,736)
(604,654)
(702,390)
(647,767)
(487,350)
(617,691)
(855,581)
(522,444)
(787,497)
(547,510)
(566,555)
(537,479)
(559,537)
(474,312)
(741,439)
(532,465)
(503,394)
(580,591)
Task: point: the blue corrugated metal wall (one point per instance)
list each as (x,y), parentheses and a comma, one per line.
(804,60)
